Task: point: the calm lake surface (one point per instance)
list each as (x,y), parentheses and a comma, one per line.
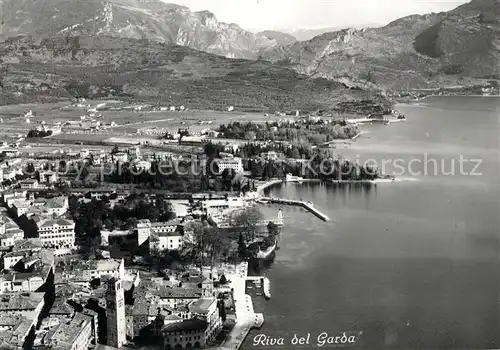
(412,264)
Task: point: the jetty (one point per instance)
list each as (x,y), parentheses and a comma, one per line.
(307,205)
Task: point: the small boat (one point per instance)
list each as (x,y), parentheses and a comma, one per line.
(262,201)
(267,288)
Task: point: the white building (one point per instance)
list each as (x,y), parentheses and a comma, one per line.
(142,165)
(48,177)
(94,269)
(9,238)
(134,152)
(170,241)
(58,233)
(206,309)
(13,194)
(234,163)
(20,206)
(120,157)
(20,282)
(165,234)
(217,208)
(29,184)
(56,206)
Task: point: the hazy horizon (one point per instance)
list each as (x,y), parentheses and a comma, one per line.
(290,15)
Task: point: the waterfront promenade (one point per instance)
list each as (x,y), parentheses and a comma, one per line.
(246,318)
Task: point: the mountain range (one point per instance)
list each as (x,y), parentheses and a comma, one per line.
(50,44)
(135,19)
(419,51)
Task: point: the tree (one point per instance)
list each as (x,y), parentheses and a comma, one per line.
(210,150)
(272,230)
(115,149)
(256,169)
(30,169)
(247,220)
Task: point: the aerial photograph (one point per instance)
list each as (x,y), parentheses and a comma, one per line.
(249,174)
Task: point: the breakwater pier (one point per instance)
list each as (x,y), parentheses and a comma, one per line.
(307,205)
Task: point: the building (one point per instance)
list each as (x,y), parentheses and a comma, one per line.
(182,335)
(48,177)
(10,237)
(19,206)
(120,157)
(217,208)
(142,165)
(29,184)
(22,304)
(13,194)
(271,155)
(146,228)
(134,152)
(14,331)
(115,313)
(56,206)
(100,193)
(234,163)
(169,241)
(58,233)
(206,309)
(93,269)
(77,334)
(20,282)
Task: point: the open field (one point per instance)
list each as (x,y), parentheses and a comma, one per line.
(128,122)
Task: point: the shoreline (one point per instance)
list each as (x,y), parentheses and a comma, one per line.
(412,101)
(262,187)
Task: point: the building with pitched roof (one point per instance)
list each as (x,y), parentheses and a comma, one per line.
(206,309)
(15,330)
(57,233)
(77,334)
(184,335)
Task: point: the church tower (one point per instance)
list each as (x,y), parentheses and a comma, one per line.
(115,313)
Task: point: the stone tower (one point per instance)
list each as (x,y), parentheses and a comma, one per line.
(115,313)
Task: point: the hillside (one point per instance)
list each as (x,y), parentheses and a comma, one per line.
(412,52)
(280,37)
(135,19)
(46,69)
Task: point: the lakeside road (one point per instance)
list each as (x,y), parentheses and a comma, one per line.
(246,318)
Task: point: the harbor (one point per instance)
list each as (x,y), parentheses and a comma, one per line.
(306,205)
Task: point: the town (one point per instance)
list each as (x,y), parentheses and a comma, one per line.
(145,239)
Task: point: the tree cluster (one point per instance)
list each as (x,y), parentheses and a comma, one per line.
(93,216)
(38,133)
(303,132)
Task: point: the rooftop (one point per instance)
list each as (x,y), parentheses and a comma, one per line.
(28,244)
(20,301)
(59,222)
(178,292)
(201,305)
(65,334)
(187,325)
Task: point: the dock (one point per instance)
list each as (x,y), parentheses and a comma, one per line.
(306,205)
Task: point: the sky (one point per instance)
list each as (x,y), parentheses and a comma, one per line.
(301,14)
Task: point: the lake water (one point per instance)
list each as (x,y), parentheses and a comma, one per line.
(412,264)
